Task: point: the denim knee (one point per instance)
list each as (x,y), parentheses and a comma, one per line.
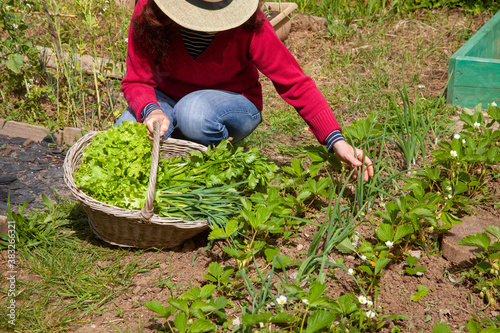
(210,116)
(127,115)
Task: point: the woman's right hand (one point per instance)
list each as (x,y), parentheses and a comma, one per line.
(159,116)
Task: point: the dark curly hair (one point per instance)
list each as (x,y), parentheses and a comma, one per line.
(153,29)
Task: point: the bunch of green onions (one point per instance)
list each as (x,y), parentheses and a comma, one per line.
(194,202)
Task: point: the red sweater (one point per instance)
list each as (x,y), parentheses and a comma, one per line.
(231,62)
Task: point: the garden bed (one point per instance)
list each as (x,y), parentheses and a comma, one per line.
(81,284)
(472,68)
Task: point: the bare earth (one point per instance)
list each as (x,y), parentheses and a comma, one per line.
(450,300)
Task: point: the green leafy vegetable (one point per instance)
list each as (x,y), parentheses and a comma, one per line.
(115,166)
(202,185)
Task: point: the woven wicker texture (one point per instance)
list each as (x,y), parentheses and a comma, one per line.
(134,228)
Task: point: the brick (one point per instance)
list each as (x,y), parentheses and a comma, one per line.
(3,224)
(471,225)
(23,130)
(70,135)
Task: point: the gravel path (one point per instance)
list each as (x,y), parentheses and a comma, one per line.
(28,170)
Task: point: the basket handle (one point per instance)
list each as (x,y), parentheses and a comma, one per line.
(148,210)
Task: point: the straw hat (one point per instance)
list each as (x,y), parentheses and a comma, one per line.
(208,15)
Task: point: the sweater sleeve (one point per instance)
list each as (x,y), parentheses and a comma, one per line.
(275,61)
(138,83)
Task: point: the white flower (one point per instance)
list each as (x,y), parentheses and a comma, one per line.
(281,300)
(389,244)
(350,271)
(448,188)
(126,40)
(477,125)
(450,196)
(29,85)
(369,303)
(15,26)
(421,86)
(456,136)
(493,104)
(453,153)
(363,257)
(362,299)
(305,301)
(7,7)
(382,204)
(463,140)
(370,314)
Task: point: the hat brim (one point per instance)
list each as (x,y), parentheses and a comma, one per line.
(208,16)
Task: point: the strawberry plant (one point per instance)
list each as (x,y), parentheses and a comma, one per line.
(193,310)
(412,269)
(407,221)
(468,159)
(486,273)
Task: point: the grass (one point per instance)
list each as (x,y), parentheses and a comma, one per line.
(362,74)
(357,72)
(68,277)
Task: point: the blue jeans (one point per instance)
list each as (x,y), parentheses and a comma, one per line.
(206,116)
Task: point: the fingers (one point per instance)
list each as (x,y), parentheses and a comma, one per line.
(368,171)
(355,158)
(151,129)
(150,126)
(369,165)
(354,161)
(160,117)
(358,162)
(164,126)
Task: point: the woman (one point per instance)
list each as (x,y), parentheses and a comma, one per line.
(193,66)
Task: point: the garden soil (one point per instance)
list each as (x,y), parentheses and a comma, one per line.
(31,169)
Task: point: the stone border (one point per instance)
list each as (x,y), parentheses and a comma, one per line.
(471,225)
(67,136)
(86,63)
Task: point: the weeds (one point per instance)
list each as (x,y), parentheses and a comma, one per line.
(51,248)
(259,287)
(56,80)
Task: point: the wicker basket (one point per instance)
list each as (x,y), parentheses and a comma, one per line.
(134,228)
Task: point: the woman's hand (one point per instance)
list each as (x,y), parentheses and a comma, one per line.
(354,157)
(159,116)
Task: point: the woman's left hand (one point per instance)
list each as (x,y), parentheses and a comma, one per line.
(355,158)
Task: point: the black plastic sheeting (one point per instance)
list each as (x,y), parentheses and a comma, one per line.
(29,170)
